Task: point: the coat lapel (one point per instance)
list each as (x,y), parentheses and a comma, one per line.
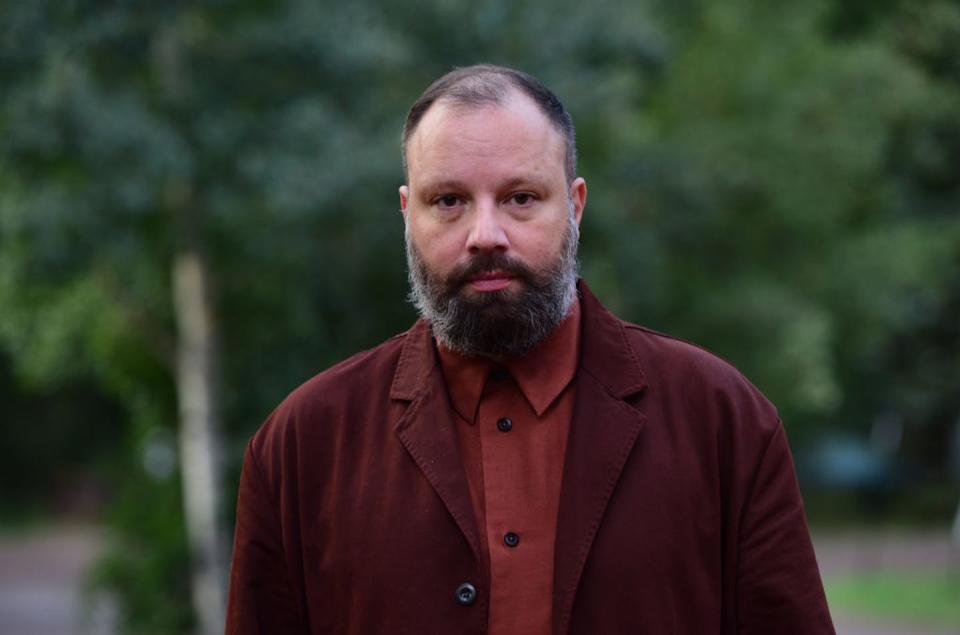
(602,434)
(427,431)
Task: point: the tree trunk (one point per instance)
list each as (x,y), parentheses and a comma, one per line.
(199,439)
(199,431)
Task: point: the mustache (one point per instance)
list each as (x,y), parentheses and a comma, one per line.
(484,262)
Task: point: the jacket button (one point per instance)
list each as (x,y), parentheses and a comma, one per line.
(466,594)
(504,425)
(511,539)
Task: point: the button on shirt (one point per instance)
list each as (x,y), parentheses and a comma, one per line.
(513,423)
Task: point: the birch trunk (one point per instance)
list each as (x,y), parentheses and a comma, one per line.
(199,431)
(199,440)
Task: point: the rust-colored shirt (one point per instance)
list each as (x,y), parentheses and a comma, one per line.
(513,428)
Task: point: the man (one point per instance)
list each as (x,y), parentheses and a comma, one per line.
(520,461)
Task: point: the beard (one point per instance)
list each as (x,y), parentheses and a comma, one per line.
(495,324)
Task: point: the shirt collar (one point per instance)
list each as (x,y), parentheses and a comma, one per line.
(542,374)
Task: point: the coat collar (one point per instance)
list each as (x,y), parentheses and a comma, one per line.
(606,353)
(417,359)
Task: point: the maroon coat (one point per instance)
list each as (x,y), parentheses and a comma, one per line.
(679,510)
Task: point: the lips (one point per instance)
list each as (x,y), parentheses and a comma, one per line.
(490,281)
(486,272)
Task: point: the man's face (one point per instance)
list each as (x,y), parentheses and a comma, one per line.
(491,225)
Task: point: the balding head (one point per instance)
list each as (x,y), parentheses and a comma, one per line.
(485,84)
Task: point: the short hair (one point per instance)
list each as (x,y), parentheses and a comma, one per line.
(488,84)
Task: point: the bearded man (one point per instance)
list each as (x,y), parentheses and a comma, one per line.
(520,461)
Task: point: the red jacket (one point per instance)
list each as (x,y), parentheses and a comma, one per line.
(679,510)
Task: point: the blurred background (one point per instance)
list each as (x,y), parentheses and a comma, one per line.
(198,211)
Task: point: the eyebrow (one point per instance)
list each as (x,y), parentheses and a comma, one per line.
(434,186)
(454,184)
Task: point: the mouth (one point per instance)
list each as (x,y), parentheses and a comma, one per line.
(487,281)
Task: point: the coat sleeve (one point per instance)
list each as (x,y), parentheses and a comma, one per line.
(779,588)
(262,599)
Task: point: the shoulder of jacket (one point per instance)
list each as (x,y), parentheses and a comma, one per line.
(353,372)
(661,348)
(670,361)
(355,380)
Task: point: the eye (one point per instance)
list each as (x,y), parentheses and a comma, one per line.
(447,201)
(523,199)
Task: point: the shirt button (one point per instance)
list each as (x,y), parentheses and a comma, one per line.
(511,539)
(466,594)
(504,425)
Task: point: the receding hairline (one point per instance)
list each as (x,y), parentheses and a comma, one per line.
(488,85)
(514,104)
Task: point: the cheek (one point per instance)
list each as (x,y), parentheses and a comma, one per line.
(538,243)
(440,246)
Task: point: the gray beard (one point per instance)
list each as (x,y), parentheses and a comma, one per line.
(497,324)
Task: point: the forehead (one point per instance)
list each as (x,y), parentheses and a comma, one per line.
(468,141)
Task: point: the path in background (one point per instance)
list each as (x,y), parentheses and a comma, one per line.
(41,574)
(856,551)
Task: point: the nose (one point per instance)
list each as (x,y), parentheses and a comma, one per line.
(487,231)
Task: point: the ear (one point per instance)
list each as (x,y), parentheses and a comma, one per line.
(404,200)
(578,194)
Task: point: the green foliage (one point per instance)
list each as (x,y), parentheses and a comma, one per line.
(778,184)
(768,176)
(146,566)
(62,427)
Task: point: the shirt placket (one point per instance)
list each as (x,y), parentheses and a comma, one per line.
(512,502)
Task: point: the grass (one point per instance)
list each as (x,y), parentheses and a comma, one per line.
(929,598)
